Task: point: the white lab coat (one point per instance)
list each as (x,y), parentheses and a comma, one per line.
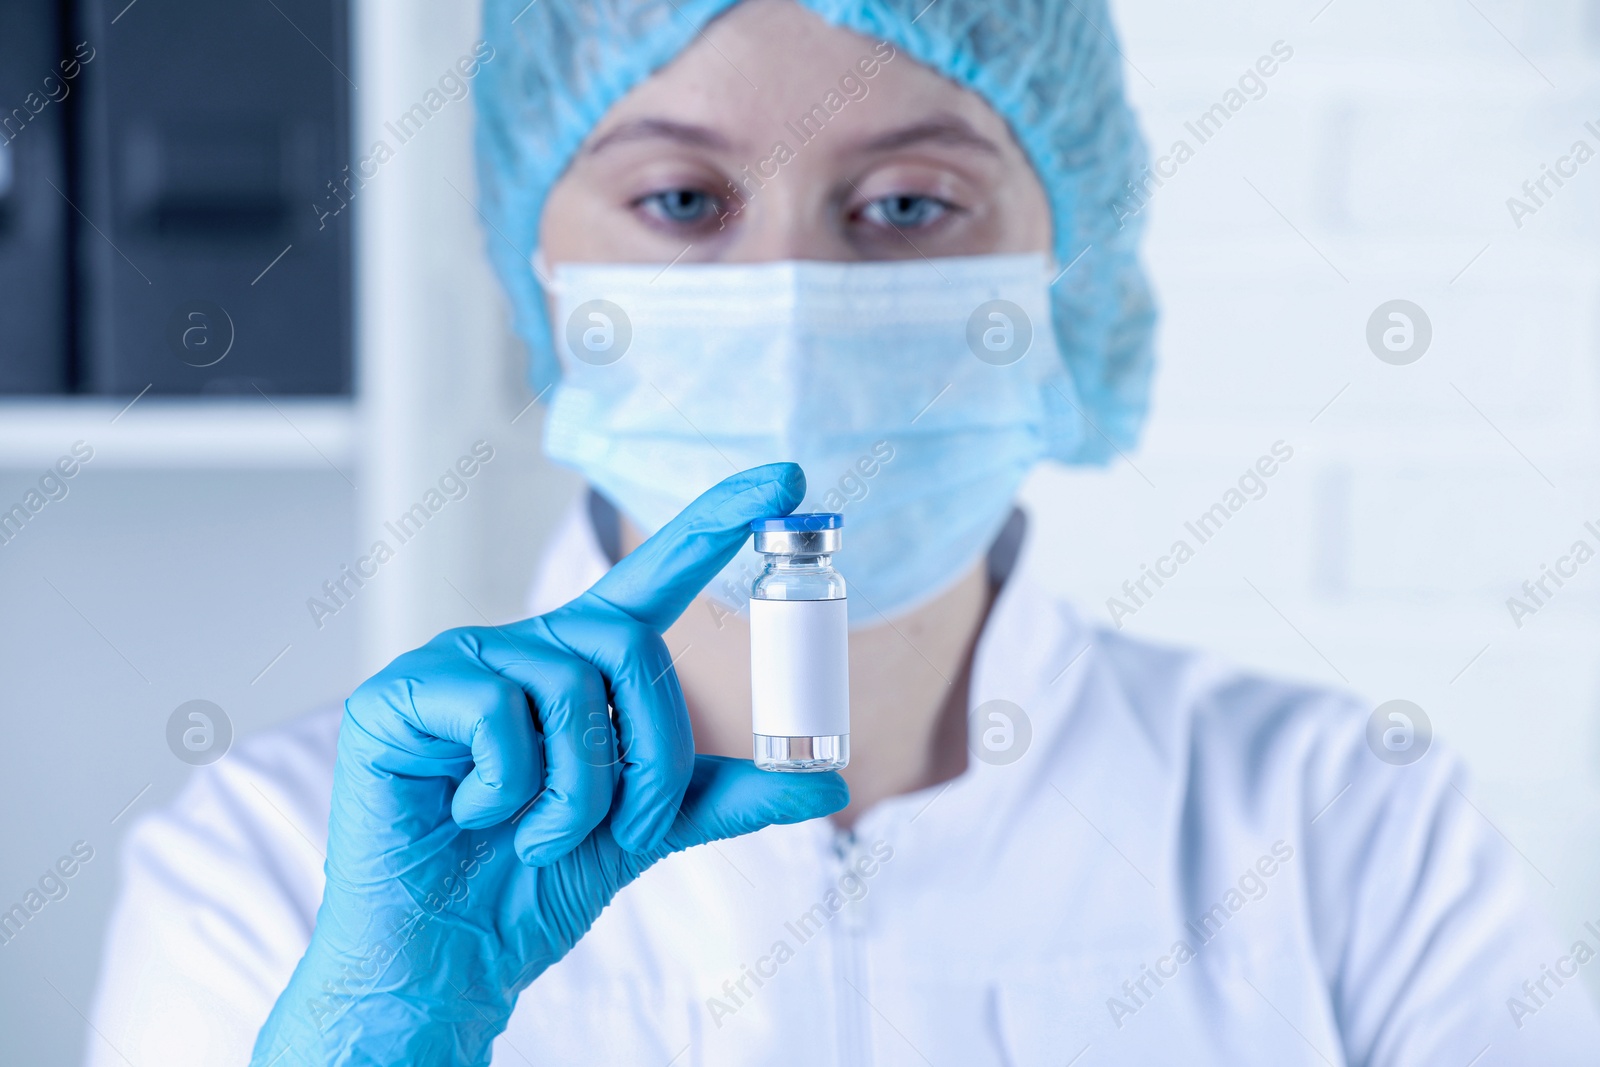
(1190,864)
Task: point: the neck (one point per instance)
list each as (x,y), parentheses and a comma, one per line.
(908,688)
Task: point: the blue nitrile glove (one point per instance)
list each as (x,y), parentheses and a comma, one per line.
(447,893)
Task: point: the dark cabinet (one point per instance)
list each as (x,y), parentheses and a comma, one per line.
(193,253)
(35,320)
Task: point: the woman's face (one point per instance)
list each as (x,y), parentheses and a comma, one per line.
(768,139)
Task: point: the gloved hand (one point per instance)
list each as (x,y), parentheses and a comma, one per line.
(447,893)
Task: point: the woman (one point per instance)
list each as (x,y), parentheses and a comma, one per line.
(875,239)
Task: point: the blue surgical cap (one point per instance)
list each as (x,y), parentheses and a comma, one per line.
(1050,68)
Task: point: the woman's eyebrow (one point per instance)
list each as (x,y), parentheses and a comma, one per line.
(944,129)
(684,133)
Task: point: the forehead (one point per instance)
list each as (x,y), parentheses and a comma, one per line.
(765,63)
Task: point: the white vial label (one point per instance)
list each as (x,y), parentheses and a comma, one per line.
(800,667)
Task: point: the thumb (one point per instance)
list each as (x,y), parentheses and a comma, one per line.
(728,797)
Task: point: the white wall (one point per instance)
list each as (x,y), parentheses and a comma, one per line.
(141,590)
(1422,497)
(438,371)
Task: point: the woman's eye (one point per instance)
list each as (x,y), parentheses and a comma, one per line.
(905,211)
(681,206)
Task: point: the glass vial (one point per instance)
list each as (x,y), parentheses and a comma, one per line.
(799,646)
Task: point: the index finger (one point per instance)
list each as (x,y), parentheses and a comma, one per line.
(656,581)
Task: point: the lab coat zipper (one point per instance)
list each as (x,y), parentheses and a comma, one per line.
(852,1020)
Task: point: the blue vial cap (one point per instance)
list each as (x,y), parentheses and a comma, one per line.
(800,521)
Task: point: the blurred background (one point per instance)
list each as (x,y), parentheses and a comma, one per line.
(268,342)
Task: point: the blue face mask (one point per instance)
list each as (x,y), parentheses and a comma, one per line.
(910,392)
